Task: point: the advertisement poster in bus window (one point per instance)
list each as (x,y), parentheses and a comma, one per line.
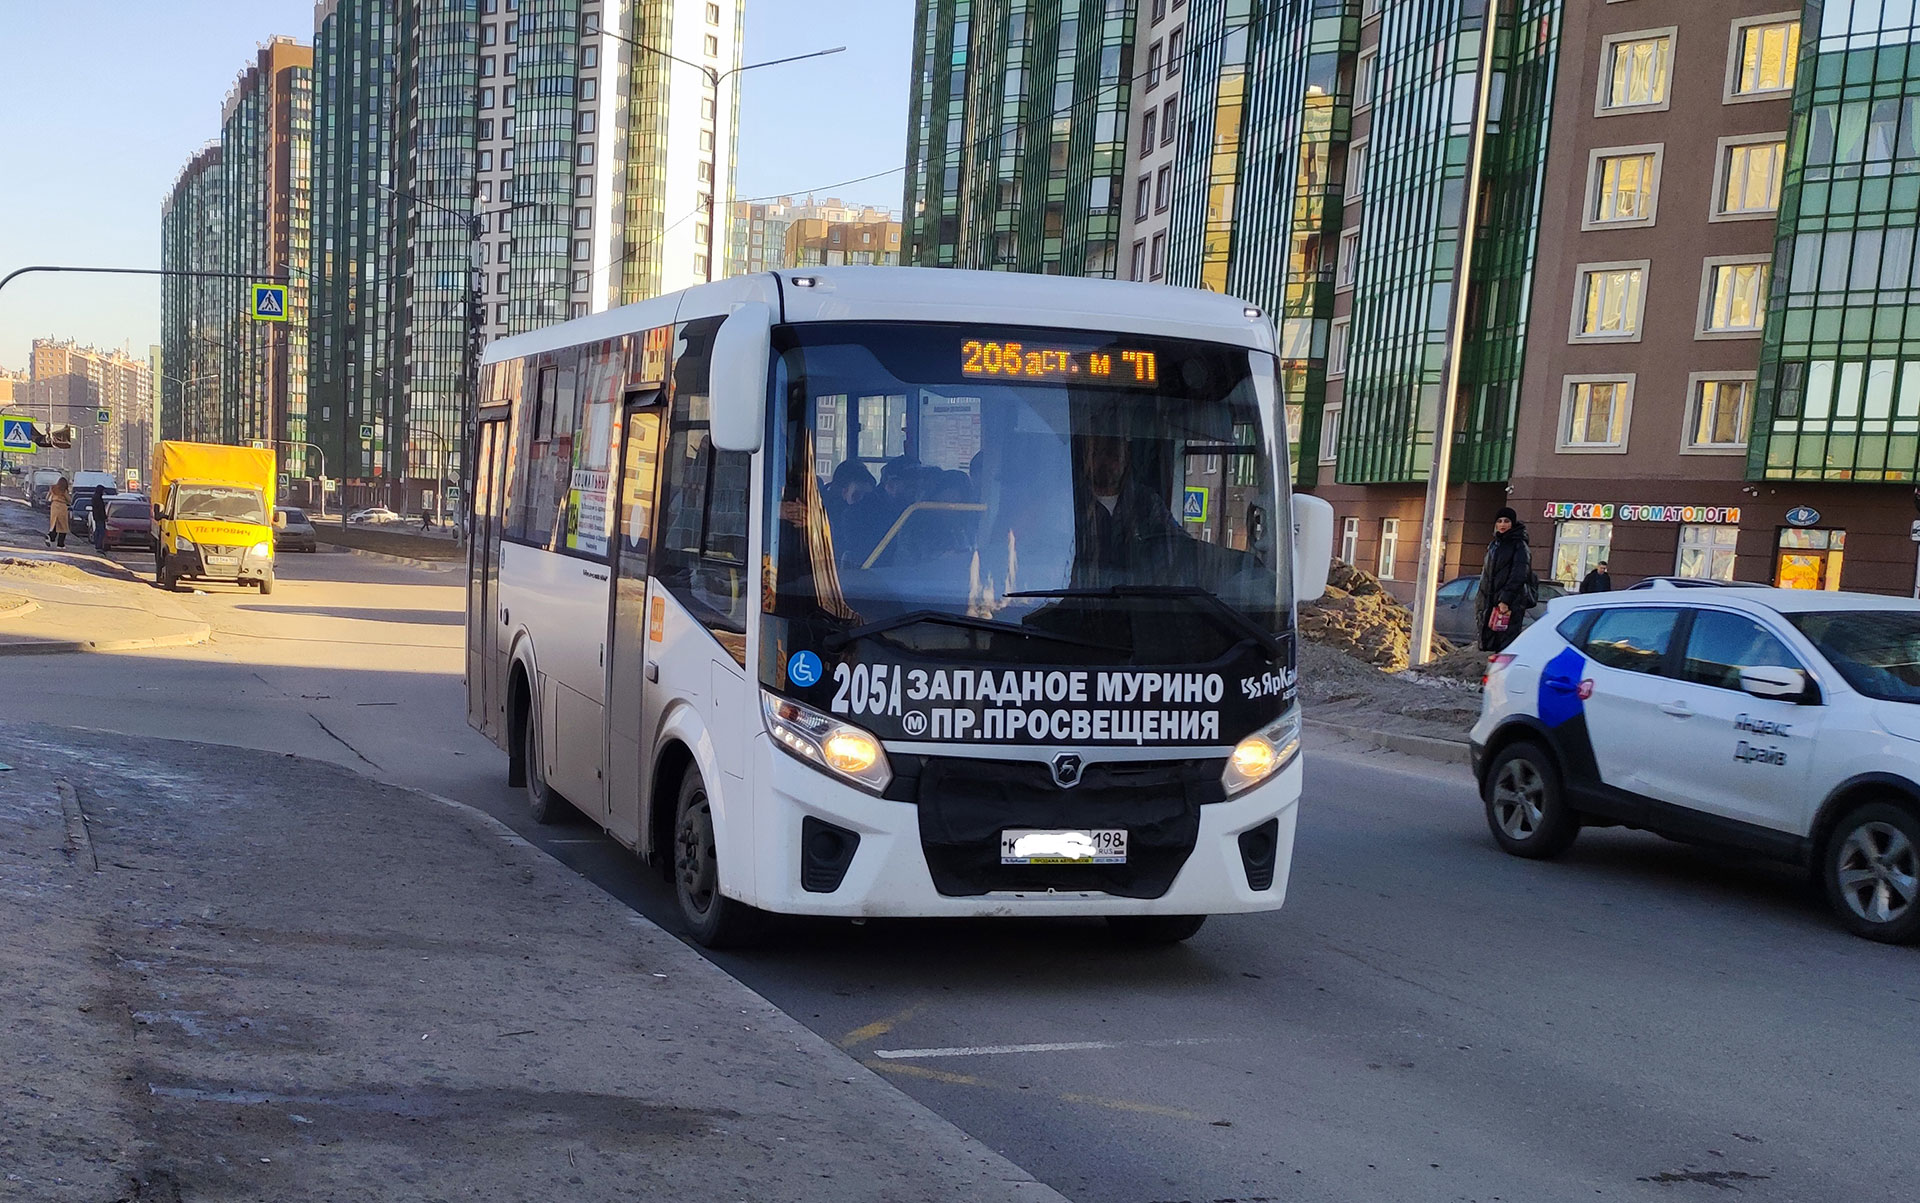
(589,509)
(949,431)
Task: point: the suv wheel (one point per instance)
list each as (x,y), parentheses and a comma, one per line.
(1871,867)
(1527,807)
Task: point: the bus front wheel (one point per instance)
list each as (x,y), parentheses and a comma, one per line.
(713,919)
(543,801)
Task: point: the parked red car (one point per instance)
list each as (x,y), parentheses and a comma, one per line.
(129,524)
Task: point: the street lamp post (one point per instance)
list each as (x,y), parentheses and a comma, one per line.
(714,78)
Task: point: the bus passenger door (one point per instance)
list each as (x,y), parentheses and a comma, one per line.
(484,682)
(629,745)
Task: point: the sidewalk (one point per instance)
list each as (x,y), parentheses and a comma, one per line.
(235,975)
(80,603)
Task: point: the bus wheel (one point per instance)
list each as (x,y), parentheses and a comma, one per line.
(1154,929)
(543,801)
(713,919)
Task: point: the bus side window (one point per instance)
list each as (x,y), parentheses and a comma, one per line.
(702,556)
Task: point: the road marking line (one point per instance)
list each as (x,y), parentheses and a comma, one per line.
(1129,1106)
(1063,1046)
(878,1028)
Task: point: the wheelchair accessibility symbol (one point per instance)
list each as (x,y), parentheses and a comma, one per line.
(804,669)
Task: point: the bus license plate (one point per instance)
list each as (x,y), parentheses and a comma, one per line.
(1023,846)
(223,562)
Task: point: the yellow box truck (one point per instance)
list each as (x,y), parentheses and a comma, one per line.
(213,514)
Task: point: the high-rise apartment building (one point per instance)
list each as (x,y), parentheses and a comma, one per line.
(245,209)
(760,234)
(1016,135)
(101,394)
(543,150)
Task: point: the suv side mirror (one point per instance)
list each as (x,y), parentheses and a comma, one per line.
(1778,683)
(737,380)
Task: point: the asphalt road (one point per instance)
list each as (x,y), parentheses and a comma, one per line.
(1426,1019)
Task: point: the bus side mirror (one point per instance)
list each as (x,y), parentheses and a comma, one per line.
(737,388)
(156,511)
(1312,547)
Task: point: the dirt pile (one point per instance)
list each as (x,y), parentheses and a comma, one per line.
(1360,618)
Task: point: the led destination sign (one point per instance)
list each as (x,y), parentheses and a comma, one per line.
(987,358)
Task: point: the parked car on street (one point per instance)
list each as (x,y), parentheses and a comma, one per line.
(378,515)
(129,523)
(1688,582)
(1774,721)
(1456,619)
(297,533)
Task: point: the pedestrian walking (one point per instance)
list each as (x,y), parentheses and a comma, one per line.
(1508,588)
(1597,581)
(59,512)
(99,508)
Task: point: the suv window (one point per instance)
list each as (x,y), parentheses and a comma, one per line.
(1632,639)
(1722,644)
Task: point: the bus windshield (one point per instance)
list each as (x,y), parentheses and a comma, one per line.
(1025,496)
(229,503)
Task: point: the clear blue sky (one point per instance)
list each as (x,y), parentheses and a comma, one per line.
(102,101)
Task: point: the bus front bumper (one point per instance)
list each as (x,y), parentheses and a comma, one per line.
(888,876)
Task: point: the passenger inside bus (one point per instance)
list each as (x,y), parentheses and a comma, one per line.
(1125,534)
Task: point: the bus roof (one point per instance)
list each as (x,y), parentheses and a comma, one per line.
(916,294)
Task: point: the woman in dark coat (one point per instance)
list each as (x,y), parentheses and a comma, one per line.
(1503,580)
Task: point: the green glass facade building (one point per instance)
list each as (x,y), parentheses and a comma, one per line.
(192,311)
(1016,141)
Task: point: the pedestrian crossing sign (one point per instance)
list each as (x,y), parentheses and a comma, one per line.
(16,434)
(103,416)
(269,302)
(1194,509)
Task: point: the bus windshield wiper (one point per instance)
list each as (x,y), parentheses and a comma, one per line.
(840,639)
(1213,605)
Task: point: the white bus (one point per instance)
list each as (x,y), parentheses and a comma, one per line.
(892,592)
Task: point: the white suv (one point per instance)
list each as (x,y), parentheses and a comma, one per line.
(1776,721)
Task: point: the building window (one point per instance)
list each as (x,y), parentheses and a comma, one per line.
(705,171)
(1148,123)
(1349,540)
(1163,189)
(712,46)
(1153,66)
(1169,119)
(578,310)
(1609,302)
(1369,9)
(486,66)
(1749,176)
(1733,297)
(1356,171)
(700,265)
(1623,187)
(586,121)
(506,163)
(500,313)
(589,89)
(713,14)
(582,219)
(1720,410)
(486,160)
(583,154)
(1809,559)
(1593,413)
(582,250)
(706,109)
(1348,263)
(583,185)
(1159,11)
(581,280)
(1140,254)
(1636,69)
(1143,198)
(1363,80)
(1706,552)
(1176,46)
(1577,548)
(506,127)
(486,129)
(1762,59)
(1337,346)
(507,94)
(1330,434)
(486,98)
(511,64)
(1157,263)
(1389,547)
(589,56)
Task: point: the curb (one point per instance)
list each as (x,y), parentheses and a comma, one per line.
(1452,751)
(200,633)
(429,565)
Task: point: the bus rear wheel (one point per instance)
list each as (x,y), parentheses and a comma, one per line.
(1155,929)
(713,919)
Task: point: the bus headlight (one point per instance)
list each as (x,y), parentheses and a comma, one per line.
(182,544)
(263,549)
(1262,754)
(840,748)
